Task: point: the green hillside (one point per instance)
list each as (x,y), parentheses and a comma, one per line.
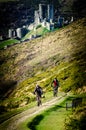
(40,31)
(8,42)
(58,54)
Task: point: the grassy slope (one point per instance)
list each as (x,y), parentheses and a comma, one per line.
(57,117)
(52,118)
(39,31)
(8,43)
(58,54)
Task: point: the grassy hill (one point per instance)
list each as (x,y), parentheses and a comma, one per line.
(58,54)
(8,42)
(40,31)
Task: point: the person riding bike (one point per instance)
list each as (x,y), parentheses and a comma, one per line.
(38,91)
(55,84)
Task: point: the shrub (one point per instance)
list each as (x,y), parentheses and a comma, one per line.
(77,121)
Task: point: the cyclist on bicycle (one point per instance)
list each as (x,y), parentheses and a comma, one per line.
(38,91)
(55,84)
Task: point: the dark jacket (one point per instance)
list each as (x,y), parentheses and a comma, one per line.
(38,90)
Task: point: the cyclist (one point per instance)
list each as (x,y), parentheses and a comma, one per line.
(55,84)
(38,91)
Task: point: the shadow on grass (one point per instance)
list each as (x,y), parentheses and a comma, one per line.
(36,121)
(32,125)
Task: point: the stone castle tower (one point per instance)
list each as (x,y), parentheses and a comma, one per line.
(45,12)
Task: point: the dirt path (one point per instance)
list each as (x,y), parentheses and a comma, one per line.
(12,123)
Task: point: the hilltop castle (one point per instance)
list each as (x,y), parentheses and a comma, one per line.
(44,16)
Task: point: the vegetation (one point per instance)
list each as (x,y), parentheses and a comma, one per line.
(77,122)
(13,112)
(52,118)
(41,60)
(58,54)
(40,31)
(7,43)
(77,119)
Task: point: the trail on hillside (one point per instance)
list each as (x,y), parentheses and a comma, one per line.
(13,122)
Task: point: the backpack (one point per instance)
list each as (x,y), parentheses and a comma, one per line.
(39,90)
(56,83)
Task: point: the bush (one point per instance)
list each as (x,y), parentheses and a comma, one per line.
(77,121)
